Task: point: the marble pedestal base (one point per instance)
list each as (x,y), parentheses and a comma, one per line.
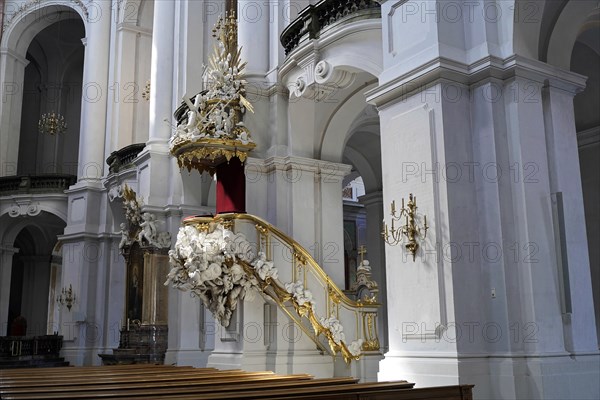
(146,344)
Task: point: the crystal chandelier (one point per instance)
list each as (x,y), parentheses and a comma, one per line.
(52,123)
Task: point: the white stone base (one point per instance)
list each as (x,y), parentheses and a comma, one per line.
(364,369)
(496,377)
(82,356)
(298,362)
(231,360)
(188,357)
(301,362)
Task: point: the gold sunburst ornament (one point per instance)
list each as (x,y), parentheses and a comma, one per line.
(210,126)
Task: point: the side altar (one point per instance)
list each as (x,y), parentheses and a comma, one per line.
(144,328)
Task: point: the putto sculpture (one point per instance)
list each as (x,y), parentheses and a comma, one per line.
(140,227)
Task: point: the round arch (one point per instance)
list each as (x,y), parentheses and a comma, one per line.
(364,169)
(526,26)
(11,227)
(21,28)
(339,127)
(566,30)
(137,12)
(24,25)
(34,239)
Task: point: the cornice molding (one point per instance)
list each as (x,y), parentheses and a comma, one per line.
(288,163)
(373,198)
(128,27)
(588,137)
(8,52)
(443,69)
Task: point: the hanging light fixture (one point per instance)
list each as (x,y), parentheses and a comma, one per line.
(67,297)
(53,123)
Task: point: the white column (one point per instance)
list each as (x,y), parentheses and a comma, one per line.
(95,95)
(565,178)
(253,28)
(123,114)
(161,82)
(185,327)
(156,166)
(373,203)
(329,217)
(12,74)
(6,262)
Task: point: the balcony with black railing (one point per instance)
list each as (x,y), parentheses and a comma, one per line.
(122,159)
(315,19)
(36,184)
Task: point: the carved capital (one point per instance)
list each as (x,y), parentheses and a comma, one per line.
(23,209)
(327,74)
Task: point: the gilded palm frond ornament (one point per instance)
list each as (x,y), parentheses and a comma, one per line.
(212,130)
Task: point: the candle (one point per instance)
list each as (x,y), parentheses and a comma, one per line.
(127,324)
(393,207)
(425,220)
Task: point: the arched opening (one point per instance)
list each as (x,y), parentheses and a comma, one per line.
(363,203)
(31,282)
(352,137)
(585,60)
(52,86)
(568,37)
(41,58)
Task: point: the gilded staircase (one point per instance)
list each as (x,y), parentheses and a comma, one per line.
(294,281)
(226,259)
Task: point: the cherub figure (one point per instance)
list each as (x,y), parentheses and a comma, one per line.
(148,226)
(125,240)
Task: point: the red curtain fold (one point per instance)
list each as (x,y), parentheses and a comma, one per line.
(231,187)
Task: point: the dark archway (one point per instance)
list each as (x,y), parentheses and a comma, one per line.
(585,60)
(30,279)
(52,84)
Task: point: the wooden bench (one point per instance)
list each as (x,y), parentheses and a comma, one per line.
(164,381)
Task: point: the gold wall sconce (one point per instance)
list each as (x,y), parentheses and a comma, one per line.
(410,231)
(67,297)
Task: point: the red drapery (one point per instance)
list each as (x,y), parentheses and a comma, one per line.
(231,187)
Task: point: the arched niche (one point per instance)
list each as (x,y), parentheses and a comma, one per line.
(27,283)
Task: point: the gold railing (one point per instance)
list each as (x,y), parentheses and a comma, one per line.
(295,264)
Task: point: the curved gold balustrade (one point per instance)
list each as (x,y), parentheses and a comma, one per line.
(359,318)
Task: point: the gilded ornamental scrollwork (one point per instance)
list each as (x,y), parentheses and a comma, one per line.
(296,299)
